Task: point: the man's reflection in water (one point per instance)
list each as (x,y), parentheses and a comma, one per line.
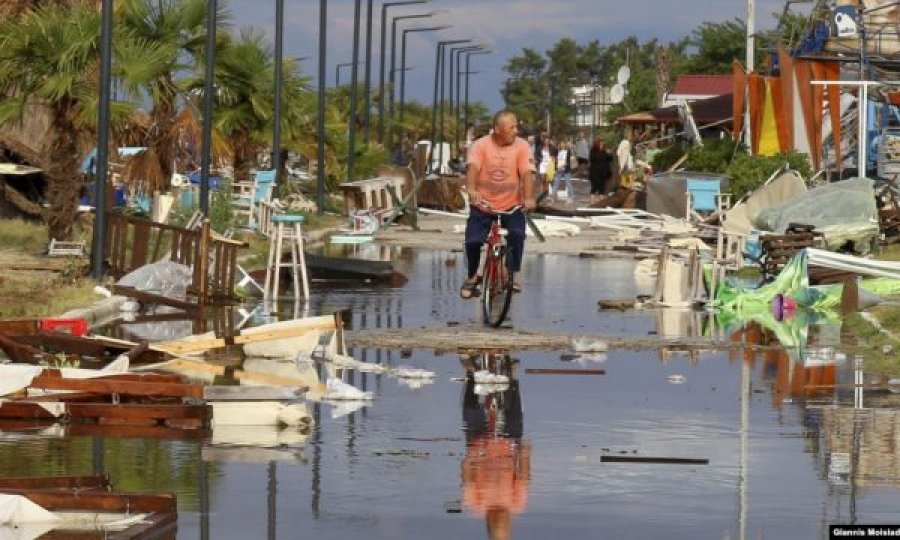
(497,466)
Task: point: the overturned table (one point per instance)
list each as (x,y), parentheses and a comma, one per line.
(372,193)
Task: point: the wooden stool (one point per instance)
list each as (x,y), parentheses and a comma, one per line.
(286,226)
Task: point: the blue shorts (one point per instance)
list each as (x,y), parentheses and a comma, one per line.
(479,225)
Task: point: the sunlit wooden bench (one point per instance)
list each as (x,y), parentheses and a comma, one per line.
(372,193)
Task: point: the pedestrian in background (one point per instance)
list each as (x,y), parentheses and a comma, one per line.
(582,152)
(601,169)
(564,172)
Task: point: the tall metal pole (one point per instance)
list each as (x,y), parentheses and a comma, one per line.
(102,165)
(320,112)
(466,102)
(351,124)
(208,94)
(751,29)
(367,85)
(279,77)
(437,74)
(454,105)
(391,76)
(466,107)
(439,84)
(384,8)
(403,73)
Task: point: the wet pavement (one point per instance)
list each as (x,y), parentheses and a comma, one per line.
(455,460)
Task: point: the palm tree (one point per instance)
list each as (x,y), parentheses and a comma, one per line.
(50,58)
(245,81)
(177,30)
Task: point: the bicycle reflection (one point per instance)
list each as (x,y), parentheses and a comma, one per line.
(496,469)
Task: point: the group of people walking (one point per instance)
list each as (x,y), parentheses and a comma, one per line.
(556,162)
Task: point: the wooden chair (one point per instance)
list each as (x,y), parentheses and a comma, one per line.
(246,196)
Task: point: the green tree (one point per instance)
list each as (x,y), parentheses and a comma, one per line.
(50,59)
(245,79)
(177,29)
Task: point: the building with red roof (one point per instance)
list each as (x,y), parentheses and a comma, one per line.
(695,87)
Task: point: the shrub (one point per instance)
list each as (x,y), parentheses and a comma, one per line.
(747,173)
(713,157)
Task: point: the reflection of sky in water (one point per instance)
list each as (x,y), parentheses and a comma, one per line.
(560,295)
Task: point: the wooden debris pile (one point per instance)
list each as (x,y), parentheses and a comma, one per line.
(89,507)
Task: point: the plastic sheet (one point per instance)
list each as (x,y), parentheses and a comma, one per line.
(165,278)
(842,211)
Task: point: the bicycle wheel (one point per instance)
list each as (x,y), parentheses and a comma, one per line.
(496,289)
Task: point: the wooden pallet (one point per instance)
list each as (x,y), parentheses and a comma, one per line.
(777,250)
(138,414)
(93,494)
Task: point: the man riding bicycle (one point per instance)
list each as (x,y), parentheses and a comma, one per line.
(499,177)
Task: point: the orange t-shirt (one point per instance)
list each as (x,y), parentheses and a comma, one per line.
(495,474)
(500,167)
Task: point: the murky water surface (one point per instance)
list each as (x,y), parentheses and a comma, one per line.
(455,460)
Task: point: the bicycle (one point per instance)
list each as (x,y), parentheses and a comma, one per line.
(496,279)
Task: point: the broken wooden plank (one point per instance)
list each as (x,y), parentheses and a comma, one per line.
(164,432)
(92,346)
(136,412)
(151,298)
(55,482)
(554,371)
(253,393)
(17,327)
(251,335)
(20,352)
(624,458)
(184,365)
(108,385)
(98,501)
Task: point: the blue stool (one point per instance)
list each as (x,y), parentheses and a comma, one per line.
(286,226)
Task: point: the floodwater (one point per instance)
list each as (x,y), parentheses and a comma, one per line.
(454,460)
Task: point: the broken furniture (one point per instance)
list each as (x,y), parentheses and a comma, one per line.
(667,193)
(49,396)
(247,196)
(286,226)
(134,242)
(703,196)
(777,249)
(372,193)
(87,507)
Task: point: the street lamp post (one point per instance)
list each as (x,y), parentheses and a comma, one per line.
(402,135)
(320,112)
(351,121)
(439,85)
(367,84)
(468,72)
(393,69)
(455,105)
(384,8)
(100,170)
(208,90)
(279,76)
(453,53)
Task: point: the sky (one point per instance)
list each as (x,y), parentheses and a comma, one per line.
(505,26)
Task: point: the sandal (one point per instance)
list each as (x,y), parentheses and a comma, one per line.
(469,289)
(516,287)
